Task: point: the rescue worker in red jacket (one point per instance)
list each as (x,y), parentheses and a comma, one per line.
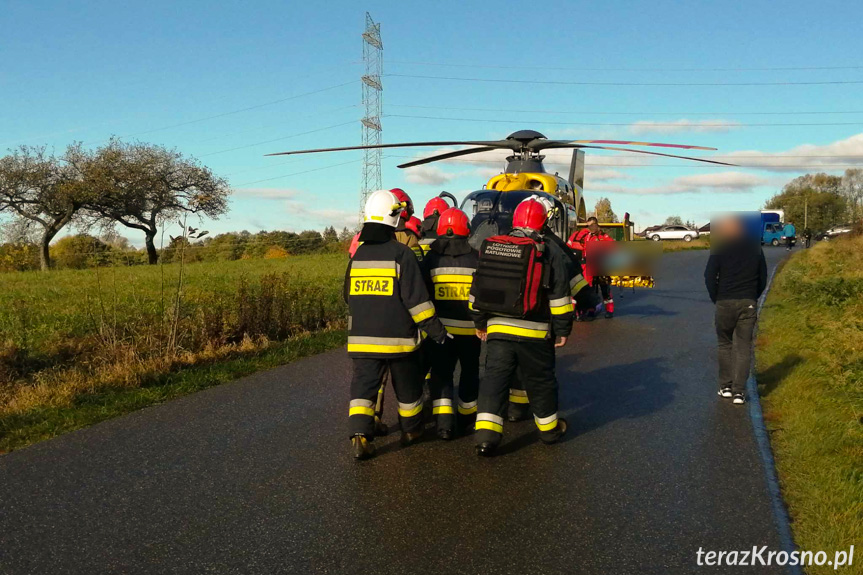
(519,402)
(449,266)
(389,307)
(527,344)
(581,240)
(431,215)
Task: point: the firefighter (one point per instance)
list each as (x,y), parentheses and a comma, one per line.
(449,266)
(526,343)
(519,403)
(580,240)
(389,309)
(405,235)
(431,215)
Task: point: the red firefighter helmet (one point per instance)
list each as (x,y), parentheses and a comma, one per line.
(529,214)
(437,204)
(402,196)
(414,224)
(453,222)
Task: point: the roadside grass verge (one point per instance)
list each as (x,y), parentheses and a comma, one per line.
(78,347)
(41,422)
(809,365)
(700,243)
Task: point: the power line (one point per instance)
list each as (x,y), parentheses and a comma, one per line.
(587,69)
(270,125)
(728,125)
(594,113)
(625,84)
(246,109)
(297,173)
(279,139)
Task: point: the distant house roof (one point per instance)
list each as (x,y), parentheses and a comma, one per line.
(705,229)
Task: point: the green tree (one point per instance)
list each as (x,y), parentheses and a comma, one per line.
(142,185)
(813,200)
(80,251)
(603,211)
(42,189)
(330,235)
(674,221)
(346,235)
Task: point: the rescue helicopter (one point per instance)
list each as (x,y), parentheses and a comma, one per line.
(491,207)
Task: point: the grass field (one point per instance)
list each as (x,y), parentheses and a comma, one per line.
(71,339)
(810,373)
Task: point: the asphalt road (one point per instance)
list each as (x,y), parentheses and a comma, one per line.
(255,476)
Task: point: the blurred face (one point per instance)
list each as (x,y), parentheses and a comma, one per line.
(593,227)
(730,228)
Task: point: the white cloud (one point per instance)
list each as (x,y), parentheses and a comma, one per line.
(846,152)
(683,125)
(719,182)
(597,173)
(428,176)
(308,216)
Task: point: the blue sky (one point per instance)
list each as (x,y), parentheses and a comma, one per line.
(228,82)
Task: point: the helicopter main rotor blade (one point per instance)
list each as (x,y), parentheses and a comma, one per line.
(494,144)
(448,155)
(544,144)
(657,154)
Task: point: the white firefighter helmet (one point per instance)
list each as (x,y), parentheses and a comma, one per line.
(549,205)
(383,207)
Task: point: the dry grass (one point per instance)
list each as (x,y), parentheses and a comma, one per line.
(810,372)
(66,336)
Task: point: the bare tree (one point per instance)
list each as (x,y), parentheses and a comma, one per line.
(141,185)
(38,188)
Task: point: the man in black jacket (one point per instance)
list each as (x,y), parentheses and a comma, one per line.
(449,266)
(735,277)
(390,309)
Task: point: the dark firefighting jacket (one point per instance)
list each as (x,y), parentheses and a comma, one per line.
(429,233)
(552,319)
(410,239)
(389,303)
(448,268)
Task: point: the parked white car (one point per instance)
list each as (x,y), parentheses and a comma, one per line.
(673,233)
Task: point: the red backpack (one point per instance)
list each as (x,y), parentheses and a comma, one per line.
(510,276)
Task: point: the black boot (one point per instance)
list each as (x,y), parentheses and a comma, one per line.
(609,314)
(445,434)
(517,411)
(411,437)
(362,446)
(381,428)
(486,449)
(559,432)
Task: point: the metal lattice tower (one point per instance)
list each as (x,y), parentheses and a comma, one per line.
(373,57)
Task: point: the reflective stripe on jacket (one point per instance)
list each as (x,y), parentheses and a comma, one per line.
(448,268)
(389,304)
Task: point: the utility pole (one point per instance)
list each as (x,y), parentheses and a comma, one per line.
(806,212)
(373,50)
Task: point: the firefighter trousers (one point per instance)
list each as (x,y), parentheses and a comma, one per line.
(463,350)
(535,361)
(407,381)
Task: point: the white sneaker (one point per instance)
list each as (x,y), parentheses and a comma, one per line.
(739,399)
(725,392)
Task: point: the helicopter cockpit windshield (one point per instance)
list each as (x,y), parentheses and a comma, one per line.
(491,212)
